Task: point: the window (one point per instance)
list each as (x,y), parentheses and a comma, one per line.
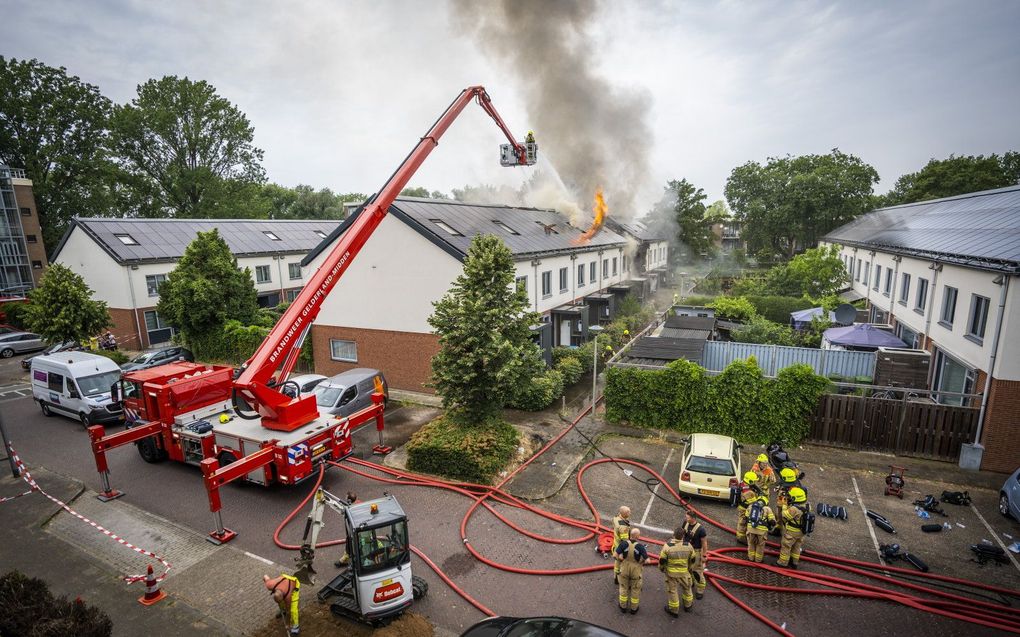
(904,289)
(445,227)
(951,376)
(948,306)
(888,282)
(262,274)
(625,264)
(907,335)
(867,273)
(506,227)
(547,284)
(346,351)
(878,277)
(152,283)
(55,382)
(26,212)
(294,269)
(30,238)
(322,235)
(522,284)
(157,329)
(978,316)
(269,299)
(126,239)
(564,280)
(922,295)
(593,272)
(605,268)
(614,266)
(349,394)
(37,265)
(292,294)
(271,235)
(580,276)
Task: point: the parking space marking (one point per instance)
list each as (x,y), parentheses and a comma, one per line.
(995,535)
(871,528)
(655,489)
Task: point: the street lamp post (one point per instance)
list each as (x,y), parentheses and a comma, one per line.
(596,329)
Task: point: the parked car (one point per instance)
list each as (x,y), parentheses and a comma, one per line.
(537,627)
(710,466)
(1009,496)
(351,391)
(77,385)
(66,346)
(158,357)
(305,383)
(7,329)
(20,343)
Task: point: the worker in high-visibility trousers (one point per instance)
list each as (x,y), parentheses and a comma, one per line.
(285,591)
(698,538)
(763,469)
(794,515)
(631,555)
(760,521)
(675,561)
(748,493)
(621,531)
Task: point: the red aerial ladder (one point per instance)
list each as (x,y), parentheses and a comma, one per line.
(245,423)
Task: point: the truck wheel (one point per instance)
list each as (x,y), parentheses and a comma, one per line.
(84,418)
(226,458)
(45,409)
(149,452)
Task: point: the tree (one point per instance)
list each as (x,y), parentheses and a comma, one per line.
(483,324)
(421,191)
(205,290)
(955,176)
(694,230)
(763,331)
(187,152)
(304,202)
(62,308)
(816,273)
(791,202)
(55,127)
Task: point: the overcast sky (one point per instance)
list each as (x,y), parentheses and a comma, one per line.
(338,92)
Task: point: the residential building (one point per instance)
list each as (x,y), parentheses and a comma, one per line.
(377,315)
(943,274)
(726,236)
(22,252)
(650,255)
(125,260)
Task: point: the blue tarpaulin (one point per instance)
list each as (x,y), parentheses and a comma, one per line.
(861,335)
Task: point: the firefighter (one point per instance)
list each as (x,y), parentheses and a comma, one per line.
(760,520)
(285,591)
(621,531)
(695,534)
(787,480)
(676,561)
(763,469)
(631,555)
(794,515)
(530,137)
(748,493)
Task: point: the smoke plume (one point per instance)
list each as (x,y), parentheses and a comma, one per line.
(593,134)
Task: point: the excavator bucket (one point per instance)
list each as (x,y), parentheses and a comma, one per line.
(305,574)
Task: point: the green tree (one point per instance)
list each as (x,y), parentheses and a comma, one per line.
(761,330)
(305,202)
(694,230)
(205,290)
(421,191)
(55,127)
(816,272)
(483,324)
(185,151)
(62,308)
(955,176)
(791,202)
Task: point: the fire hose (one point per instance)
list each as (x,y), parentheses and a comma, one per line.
(945,604)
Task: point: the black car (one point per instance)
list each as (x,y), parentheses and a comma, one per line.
(26,363)
(158,357)
(537,627)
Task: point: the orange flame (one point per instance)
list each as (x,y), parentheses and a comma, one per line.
(600,210)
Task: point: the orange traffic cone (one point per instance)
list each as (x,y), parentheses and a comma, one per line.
(152,592)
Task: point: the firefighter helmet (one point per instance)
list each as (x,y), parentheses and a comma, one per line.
(224,418)
(788,475)
(762,458)
(750,477)
(797,495)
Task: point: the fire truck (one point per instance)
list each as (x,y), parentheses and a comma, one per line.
(251,423)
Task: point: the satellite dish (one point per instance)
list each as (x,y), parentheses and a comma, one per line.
(846,314)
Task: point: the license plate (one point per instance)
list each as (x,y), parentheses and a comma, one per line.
(708,492)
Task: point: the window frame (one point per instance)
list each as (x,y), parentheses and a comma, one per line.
(593,272)
(290,271)
(867,274)
(976,301)
(904,288)
(887,288)
(564,279)
(948,296)
(877,283)
(159,279)
(269,275)
(333,342)
(605,268)
(271,235)
(521,283)
(126,239)
(547,284)
(580,275)
(921,295)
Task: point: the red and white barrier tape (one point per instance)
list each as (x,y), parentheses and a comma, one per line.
(27,477)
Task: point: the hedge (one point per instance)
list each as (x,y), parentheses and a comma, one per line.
(778,308)
(740,402)
(29,609)
(571,369)
(540,392)
(473,453)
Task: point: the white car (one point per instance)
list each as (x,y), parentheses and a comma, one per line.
(710,466)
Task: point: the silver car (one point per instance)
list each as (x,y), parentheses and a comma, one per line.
(1009,496)
(349,392)
(20,343)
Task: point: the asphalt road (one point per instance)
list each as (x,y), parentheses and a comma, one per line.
(175,491)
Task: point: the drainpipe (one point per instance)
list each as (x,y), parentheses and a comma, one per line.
(534,264)
(1003,281)
(936,267)
(279,271)
(895,284)
(573,277)
(134,306)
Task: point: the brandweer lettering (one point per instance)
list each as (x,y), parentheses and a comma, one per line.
(320,293)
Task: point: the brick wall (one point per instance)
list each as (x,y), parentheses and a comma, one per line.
(404,357)
(30,224)
(124,328)
(1000,436)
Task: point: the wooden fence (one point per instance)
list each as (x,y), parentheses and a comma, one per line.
(901,426)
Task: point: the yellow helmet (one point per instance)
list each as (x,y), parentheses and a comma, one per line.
(224,418)
(750,477)
(762,458)
(797,495)
(788,475)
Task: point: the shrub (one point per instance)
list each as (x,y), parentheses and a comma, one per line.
(474,453)
(14,314)
(234,344)
(736,399)
(28,608)
(540,392)
(585,356)
(116,356)
(762,330)
(734,308)
(778,308)
(571,369)
(561,352)
(697,301)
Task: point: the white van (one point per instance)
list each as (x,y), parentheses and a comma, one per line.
(77,385)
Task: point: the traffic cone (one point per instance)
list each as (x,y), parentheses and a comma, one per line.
(152,592)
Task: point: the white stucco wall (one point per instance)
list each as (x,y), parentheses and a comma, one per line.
(108,279)
(553,264)
(657,255)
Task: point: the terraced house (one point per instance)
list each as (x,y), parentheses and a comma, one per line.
(943,273)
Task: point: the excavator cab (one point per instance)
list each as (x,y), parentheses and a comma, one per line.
(510,155)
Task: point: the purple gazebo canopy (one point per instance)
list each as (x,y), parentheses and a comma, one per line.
(862,335)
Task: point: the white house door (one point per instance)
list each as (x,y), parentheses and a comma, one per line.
(564,331)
